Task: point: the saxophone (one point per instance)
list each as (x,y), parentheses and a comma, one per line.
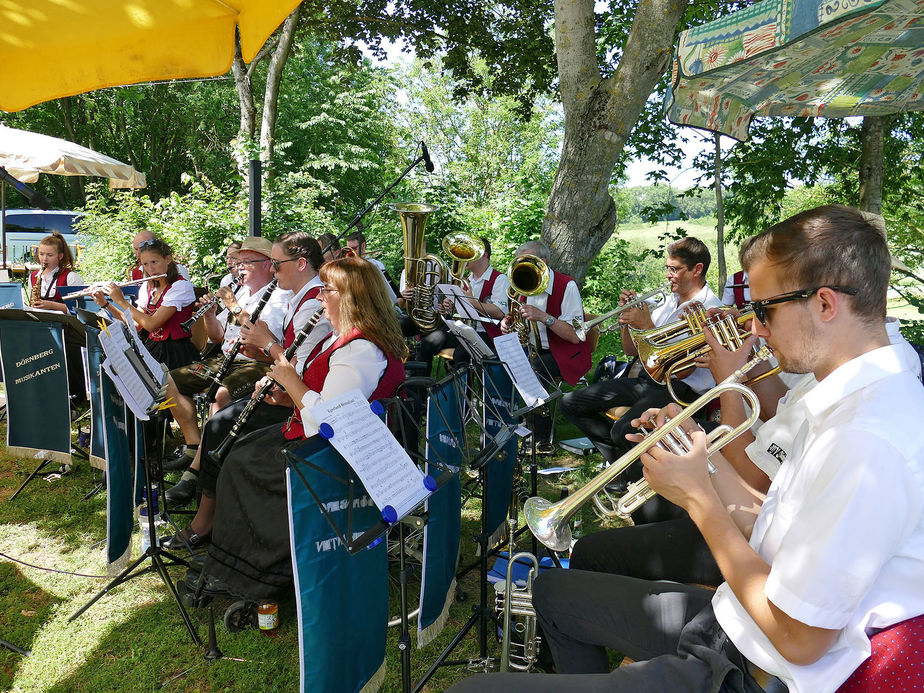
(36,295)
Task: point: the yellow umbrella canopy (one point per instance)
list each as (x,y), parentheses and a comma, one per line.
(55,48)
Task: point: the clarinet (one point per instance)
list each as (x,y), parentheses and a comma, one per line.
(186,324)
(236,347)
(225,445)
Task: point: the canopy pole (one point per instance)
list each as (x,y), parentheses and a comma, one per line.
(256,177)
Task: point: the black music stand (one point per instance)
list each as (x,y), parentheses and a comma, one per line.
(160,558)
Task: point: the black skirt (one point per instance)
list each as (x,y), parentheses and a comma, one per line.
(173,353)
(250,535)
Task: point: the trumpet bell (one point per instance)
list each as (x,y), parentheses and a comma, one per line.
(547,524)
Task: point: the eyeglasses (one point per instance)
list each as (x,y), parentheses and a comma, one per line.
(327,290)
(759,307)
(276,263)
(251,262)
(673,271)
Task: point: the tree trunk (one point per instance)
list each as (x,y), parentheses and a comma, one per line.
(599,115)
(245,102)
(872,139)
(719,214)
(271,95)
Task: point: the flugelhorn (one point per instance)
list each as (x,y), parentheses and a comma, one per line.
(529,276)
(582,327)
(422,271)
(664,351)
(549,521)
(462,248)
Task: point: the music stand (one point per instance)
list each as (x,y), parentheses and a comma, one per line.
(135,369)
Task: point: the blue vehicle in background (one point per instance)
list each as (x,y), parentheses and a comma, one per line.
(24,228)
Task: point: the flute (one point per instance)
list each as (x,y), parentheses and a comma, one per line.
(90,290)
(206,307)
(225,445)
(236,347)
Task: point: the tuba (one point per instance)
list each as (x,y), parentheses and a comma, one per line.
(549,521)
(529,276)
(463,248)
(673,348)
(422,272)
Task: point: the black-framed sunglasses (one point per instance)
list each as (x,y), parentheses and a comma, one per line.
(146,244)
(759,307)
(276,263)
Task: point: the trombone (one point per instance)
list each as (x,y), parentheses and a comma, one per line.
(673,348)
(582,327)
(549,522)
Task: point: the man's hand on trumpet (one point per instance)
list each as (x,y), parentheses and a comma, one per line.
(638,316)
(682,479)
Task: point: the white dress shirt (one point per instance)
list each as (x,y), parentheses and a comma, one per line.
(49,281)
(180,294)
(571,306)
(498,292)
(773,440)
(318,333)
(670,311)
(842,526)
(359,364)
(273,314)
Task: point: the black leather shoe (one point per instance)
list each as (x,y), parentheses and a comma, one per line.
(182,492)
(186,539)
(179,461)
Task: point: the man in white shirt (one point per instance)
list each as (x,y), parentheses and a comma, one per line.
(255,273)
(550,314)
(832,553)
(686,264)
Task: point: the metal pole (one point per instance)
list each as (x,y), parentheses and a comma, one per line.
(256,177)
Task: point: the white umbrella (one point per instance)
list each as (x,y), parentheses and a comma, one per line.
(25,155)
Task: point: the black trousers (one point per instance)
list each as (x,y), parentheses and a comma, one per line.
(430,344)
(670,550)
(546,368)
(586,409)
(667,628)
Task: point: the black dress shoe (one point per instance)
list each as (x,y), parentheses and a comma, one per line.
(182,492)
(186,539)
(179,460)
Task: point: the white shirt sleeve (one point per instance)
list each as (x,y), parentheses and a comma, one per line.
(74,279)
(179,295)
(357,365)
(499,295)
(274,312)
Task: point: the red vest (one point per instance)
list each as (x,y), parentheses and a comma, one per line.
(316,373)
(288,333)
(738,280)
(486,289)
(173,328)
(137,273)
(60,280)
(573,359)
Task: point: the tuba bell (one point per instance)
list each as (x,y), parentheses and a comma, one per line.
(529,276)
(422,271)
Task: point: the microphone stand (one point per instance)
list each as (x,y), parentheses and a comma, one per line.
(359,217)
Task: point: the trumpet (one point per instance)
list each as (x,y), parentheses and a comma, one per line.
(583,327)
(208,305)
(669,349)
(549,521)
(529,276)
(90,290)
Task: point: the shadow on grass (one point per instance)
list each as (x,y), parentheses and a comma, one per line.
(25,609)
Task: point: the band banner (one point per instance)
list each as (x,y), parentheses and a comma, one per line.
(11,295)
(342,599)
(120,507)
(39,416)
(95,358)
(444,509)
(498,393)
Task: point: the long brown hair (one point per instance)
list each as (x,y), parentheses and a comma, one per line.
(365,303)
(156,245)
(57,240)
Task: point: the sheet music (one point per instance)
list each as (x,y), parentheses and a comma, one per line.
(462,305)
(153,365)
(470,339)
(510,351)
(361,437)
(131,388)
(137,391)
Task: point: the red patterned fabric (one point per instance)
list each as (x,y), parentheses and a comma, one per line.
(486,289)
(896,663)
(60,280)
(173,328)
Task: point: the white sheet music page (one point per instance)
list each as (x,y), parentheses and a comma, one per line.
(361,437)
(510,351)
(123,373)
(158,373)
(460,301)
(472,339)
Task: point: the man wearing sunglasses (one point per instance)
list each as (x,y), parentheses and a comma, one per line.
(255,272)
(832,553)
(686,264)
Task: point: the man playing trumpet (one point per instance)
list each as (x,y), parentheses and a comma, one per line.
(835,549)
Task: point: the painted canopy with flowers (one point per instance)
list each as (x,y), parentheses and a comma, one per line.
(830,58)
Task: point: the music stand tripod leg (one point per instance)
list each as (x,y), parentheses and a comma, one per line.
(14,648)
(34,474)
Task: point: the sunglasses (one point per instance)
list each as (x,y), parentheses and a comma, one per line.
(759,307)
(276,263)
(146,244)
